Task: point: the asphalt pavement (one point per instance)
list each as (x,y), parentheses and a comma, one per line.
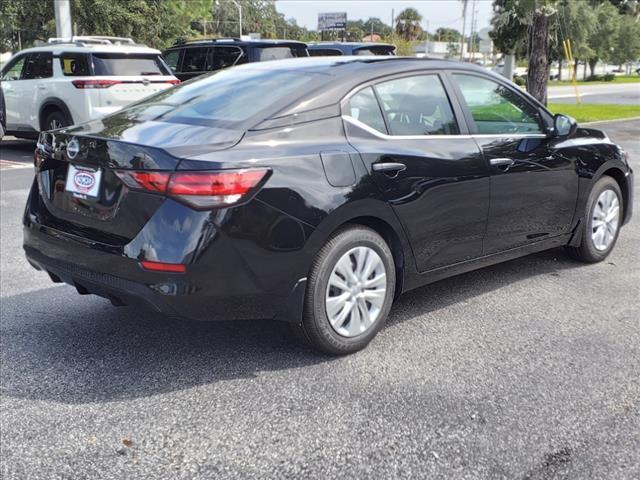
(620,93)
(524,370)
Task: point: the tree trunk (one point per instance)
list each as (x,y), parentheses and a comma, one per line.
(592,65)
(538,75)
(560,70)
(584,73)
(575,68)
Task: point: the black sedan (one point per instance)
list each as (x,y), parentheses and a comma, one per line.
(316,191)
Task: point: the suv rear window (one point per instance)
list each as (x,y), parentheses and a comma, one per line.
(380,50)
(264,54)
(110,64)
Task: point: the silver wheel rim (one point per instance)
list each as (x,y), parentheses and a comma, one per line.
(356,291)
(605,219)
(55,124)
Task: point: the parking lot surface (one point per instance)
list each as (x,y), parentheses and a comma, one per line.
(525,370)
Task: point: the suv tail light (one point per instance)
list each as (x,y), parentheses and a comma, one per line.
(173,81)
(84,84)
(200,190)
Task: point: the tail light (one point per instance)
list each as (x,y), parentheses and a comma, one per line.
(85,84)
(200,190)
(173,81)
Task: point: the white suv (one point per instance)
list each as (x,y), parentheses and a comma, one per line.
(66,82)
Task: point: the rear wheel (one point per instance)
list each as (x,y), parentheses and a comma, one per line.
(55,120)
(350,292)
(602,220)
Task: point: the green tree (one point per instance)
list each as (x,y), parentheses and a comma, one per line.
(627,45)
(575,21)
(408,24)
(447,35)
(604,32)
(376,26)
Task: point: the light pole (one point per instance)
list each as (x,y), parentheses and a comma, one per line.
(63,18)
(237,4)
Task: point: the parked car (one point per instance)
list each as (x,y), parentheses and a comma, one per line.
(65,82)
(316,191)
(3,122)
(331,49)
(191,59)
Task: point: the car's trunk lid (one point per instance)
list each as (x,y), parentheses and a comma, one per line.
(78,181)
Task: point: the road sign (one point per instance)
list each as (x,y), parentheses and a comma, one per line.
(332,21)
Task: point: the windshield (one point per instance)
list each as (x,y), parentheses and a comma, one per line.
(226,99)
(108,64)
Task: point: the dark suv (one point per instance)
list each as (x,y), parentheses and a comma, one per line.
(331,49)
(190,59)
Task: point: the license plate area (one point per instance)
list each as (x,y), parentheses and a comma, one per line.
(83,182)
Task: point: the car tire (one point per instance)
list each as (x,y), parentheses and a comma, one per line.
(602,220)
(365,292)
(55,120)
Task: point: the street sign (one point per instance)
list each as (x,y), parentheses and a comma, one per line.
(332,21)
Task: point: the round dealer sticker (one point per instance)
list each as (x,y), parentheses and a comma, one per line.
(84,181)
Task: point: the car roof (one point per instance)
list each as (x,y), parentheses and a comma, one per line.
(57,48)
(354,71)
(237,41)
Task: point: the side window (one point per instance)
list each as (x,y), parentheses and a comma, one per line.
(363,106)
(38,65)
(172,59)
(195,60)
(74,65)
(497,109)
(223,57)
(417,106)
(14,70)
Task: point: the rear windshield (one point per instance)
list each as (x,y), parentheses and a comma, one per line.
(278,53)
(110,64)
(381,50)
(228,99)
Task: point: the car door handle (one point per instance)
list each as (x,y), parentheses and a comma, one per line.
(42,87)
(391,169)
(502,163)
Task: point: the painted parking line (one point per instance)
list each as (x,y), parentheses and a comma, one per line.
(8,165)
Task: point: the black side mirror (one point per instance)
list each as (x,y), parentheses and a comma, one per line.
(564,126)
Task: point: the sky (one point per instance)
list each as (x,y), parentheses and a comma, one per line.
(435,13)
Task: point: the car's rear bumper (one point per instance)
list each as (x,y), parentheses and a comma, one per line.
(225,279)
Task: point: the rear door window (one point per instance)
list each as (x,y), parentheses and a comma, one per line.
(417,105)
(195,60)
(38,65)
(109,64)
(223,57)
(75,65)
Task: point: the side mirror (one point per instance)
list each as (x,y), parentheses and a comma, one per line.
(564,126)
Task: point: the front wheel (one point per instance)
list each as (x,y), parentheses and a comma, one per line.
(602,220)
(349,293)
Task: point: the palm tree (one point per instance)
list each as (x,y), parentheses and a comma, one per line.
(408,24)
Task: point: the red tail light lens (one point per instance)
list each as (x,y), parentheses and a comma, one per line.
(163,267)
(150,181)
(84,84)
(200,190)
(175,81)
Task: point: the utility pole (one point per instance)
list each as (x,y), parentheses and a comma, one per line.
(464,26)
(63,18)
(392,27)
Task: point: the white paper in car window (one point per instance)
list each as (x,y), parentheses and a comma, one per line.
(355,112)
